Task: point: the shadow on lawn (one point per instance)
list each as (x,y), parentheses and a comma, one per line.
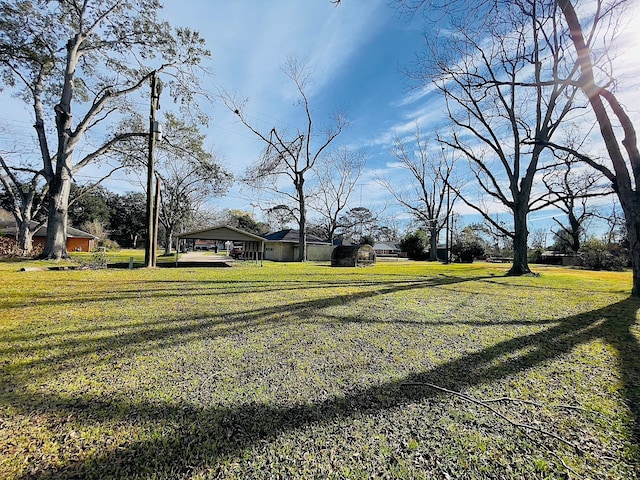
(148,289)
(199,438)
(172,329)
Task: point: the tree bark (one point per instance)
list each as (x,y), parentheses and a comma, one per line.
(631,208)
(56,244)
(302,224)
(25,236)
(520,264)
(168,241)
(433,243)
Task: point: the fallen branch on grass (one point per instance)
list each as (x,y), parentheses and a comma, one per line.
(523,427)
(538,404)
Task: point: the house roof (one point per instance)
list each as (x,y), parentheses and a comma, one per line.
(553,253)
(222,232)
(292,236)
(9,227)
(386,246)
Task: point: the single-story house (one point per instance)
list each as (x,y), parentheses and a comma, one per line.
(77,240)
(551,257)
(283,246)
(387,249)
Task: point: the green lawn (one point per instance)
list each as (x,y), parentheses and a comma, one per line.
(307,371)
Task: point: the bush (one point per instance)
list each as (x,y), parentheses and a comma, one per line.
(466,251)
(416,245)
(109,244)
(367,240)
(535,255)
(598,255)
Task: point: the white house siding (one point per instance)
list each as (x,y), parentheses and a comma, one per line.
(279,252)
(317,253)
(288,252)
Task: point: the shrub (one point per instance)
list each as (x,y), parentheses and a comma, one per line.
(109,244)
(367,240)
(416,245)
(468,245)
(466,251)
(535,255)
(9,247)
(598,255)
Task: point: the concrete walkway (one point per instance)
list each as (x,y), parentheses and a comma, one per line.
(204,259)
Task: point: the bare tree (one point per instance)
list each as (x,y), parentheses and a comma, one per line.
(290,155)
(25,192)
(336,176)
(570,191)
(592,40)
(617,129)
(77,63)
(498,103)
(614,219)
(427,197)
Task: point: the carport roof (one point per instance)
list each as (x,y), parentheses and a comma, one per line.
(222,232)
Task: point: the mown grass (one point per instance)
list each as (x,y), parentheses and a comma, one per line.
(304,371)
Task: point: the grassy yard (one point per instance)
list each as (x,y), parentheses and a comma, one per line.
(405,371)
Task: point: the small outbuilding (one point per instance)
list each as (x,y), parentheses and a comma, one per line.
(77,240)
(353,256)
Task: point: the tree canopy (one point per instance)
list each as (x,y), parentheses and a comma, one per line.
(79,65)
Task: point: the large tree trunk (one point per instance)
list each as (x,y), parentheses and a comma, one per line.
(302,224)
(168,241)
(56,246)
(631,208)
(575,233)
(520,258)
(25,236)
(433,244)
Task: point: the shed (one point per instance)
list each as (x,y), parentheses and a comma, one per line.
(353,256)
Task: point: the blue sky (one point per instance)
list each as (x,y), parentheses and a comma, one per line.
(356,51)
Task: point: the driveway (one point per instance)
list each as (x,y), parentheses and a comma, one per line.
(204,259)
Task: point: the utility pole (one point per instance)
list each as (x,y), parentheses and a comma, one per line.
(149,250)
(156,216)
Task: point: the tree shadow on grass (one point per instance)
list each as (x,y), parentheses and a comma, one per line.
(150,289)
(196,438)
(173,327)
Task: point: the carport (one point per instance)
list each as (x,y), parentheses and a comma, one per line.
(253,245)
